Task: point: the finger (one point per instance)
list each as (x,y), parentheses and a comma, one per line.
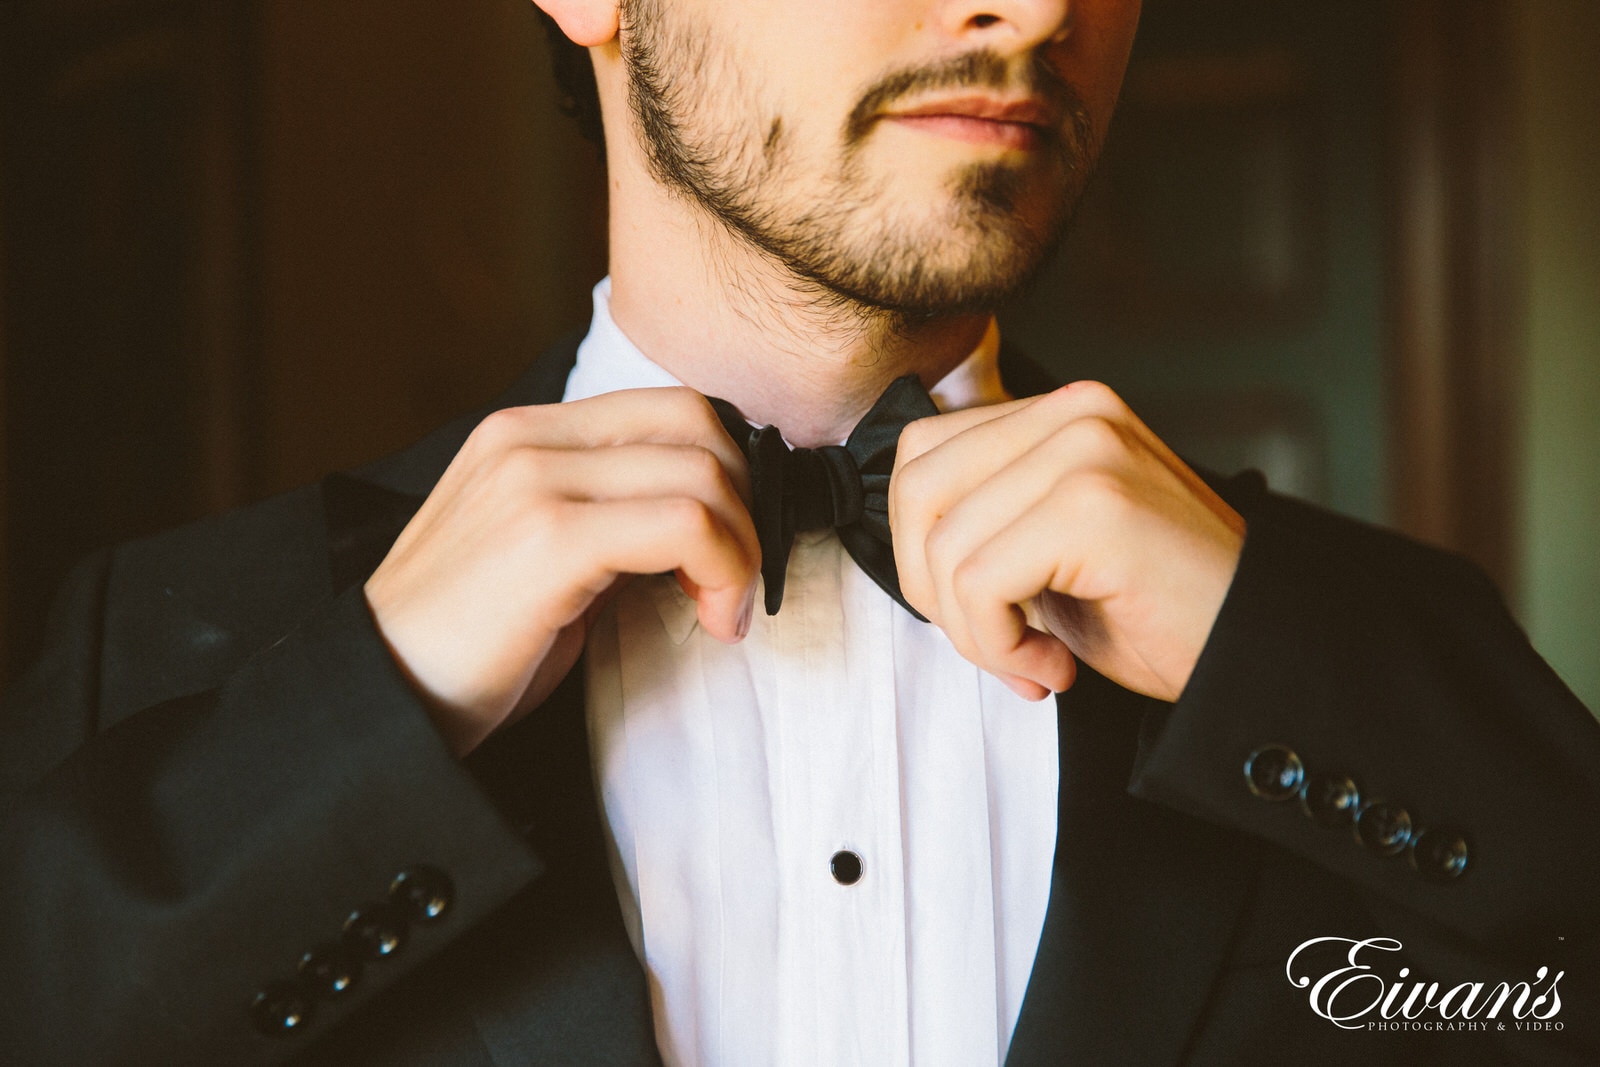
(915,500)
(997,636)
(930,473)
(651,535)
(1085,448)
(500,487)
(927,433)
(633,471)
(628,416)
(1002,432)
(971,522)
(1023,688)
(1072,401)
(943,460)
(990,586)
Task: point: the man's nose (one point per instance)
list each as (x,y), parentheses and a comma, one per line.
(1008,25)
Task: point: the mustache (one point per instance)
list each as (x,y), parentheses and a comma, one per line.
(982,69)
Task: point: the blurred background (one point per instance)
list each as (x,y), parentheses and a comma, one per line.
(244,243)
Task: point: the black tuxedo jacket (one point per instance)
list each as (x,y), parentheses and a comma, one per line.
(215,761)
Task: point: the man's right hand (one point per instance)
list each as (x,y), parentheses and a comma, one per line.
(486,597)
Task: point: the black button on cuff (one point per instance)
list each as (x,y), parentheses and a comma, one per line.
(1439,855)
(1330,799)
(281,1009)
(846,866)
(1384,828)
(1274,772)
(424,893)
(375,932)
(329,972)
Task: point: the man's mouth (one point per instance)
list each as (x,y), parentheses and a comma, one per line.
(1008,124)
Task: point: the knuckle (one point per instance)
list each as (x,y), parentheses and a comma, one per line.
(942,548)
(689,407)
(704,467)
(909,485)
(689,517)
(1091,395)
(915,438)
(519,469)
(969,580)
(547,525)
(1093,439)
(1097,495)
(496,431)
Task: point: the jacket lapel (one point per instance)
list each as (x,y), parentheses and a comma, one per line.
(1143,902)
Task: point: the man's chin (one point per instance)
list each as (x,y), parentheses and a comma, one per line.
(923,291)
(921,245)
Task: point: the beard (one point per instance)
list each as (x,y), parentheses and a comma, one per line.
(844,231)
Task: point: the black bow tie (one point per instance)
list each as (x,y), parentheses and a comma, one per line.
(843,487)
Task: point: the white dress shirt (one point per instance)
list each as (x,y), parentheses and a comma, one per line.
(730,776)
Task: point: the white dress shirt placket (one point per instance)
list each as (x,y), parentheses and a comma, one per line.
(840,759)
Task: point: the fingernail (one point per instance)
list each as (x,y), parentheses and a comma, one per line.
(1021,686)
(747,612)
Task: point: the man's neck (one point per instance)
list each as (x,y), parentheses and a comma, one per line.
(726,319)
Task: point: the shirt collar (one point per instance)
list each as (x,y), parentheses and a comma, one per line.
(608,360)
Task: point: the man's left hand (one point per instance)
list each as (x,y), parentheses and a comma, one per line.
(1065,511)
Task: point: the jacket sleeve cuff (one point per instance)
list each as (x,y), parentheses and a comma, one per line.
(227,833)
(366,788)
(1397,667)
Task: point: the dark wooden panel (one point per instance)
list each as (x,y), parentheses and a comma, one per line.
(431,221)
(5,622)
(1456,280)
(122,234)
(1208,211)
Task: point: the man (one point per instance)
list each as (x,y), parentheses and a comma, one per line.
(325,779)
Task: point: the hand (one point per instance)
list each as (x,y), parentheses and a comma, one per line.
(486,598)
(1068,506)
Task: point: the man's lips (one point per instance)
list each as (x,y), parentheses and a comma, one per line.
(1015,124)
